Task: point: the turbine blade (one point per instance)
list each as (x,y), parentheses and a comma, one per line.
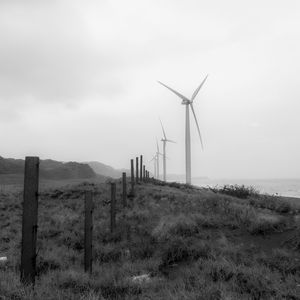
(162,127)
(157,148)
(170,141)
(153,158)
(197,124)
(198,89)
(175,92)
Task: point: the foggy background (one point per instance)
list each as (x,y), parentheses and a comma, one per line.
(78,81)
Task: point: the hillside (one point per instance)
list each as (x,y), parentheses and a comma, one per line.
(184,242)
(106,170)
(49,169)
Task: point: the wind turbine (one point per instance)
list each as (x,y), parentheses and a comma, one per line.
(164,140)
(157,159)
(188,103)
(154,159)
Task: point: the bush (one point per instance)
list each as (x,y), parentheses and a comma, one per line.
(107,253)
(282,261)
(221,270)
(252,282)
(180,250)
(294,241)
(263,226)
(143,247)
(170,226)
(272,203)
(239,191)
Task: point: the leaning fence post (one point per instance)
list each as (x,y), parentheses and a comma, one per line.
(29,220)
(132,178)
(113,207)
(124,185)
(141,167)
(88,232)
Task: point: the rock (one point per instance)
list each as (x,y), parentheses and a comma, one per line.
(3,259)
(141,278)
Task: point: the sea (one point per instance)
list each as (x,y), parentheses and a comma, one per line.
(280,187)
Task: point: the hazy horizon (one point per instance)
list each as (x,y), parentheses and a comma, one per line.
(78,82)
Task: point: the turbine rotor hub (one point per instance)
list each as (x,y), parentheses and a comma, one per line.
(185,102)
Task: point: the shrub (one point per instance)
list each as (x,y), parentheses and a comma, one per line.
(252,282)
(263,226)
(120,291)
(143,247)
(176,250)
(294,241)
(171,226)
(45,264)
(273,203)
(282,261)
(78,282)
(179,250)
(239,191)
(220,270)
(107,253)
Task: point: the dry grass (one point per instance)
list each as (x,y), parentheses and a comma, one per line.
(187,240)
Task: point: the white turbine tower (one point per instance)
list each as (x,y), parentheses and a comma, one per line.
(154,159)
(157,159)
(164,140)
(188,103)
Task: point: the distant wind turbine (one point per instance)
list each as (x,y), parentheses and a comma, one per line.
(154,159)
(164,140)
(157,159)
(188,103)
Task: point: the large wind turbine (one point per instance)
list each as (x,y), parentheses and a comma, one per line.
(164,140)
(188,103)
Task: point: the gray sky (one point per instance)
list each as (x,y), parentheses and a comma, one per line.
(78,82)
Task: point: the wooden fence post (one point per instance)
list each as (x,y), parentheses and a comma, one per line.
(144,172)
(124,185)
(88,232)
(137,170)
(141,167)
(29,220)
(113,208)
(132,178)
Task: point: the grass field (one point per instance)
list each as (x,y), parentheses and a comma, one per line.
(189,243)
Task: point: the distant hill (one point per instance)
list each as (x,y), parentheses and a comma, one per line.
(11,165)
(106,170)
(49,169)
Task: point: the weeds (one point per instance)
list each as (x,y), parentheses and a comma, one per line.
(273,203)
(239,191)
(187,239)
(264,226)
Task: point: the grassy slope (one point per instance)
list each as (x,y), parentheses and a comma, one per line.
(194,243)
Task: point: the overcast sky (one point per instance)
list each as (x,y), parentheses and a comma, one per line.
(78,81)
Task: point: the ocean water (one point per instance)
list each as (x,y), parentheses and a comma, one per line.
(280,187)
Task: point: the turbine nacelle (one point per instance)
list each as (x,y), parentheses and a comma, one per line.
(186,102)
